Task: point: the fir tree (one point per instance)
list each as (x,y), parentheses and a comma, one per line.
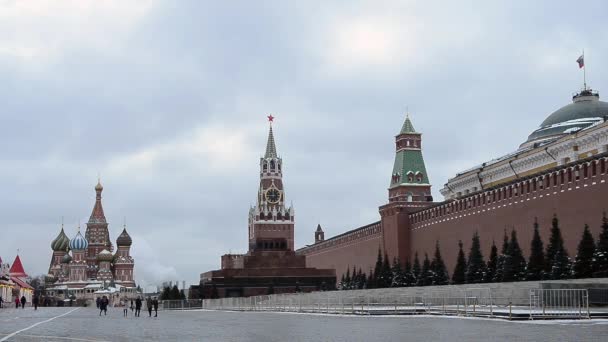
(398,277)
(501,259)
(458,277)
(370,283)
(362,280)
(561,268)
(600,257)
(182,295)
(387,273)
(342,282)
(584,255)
(556,244)
(174,293)
(476,267)
(536,263)
(492,264)
(409,278)
(416,271)
(514,267)
(378,270)
(426,274)
(354,282)
(347,279)
(440,273)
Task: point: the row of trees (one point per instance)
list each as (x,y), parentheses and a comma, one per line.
(172,293)
(510,265)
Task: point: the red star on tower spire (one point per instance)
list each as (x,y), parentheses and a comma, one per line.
(270,118)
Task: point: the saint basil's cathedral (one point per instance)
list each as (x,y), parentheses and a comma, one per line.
(86,267)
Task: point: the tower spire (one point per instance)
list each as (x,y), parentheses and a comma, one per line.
(271,149)
(407,127)
(98,216)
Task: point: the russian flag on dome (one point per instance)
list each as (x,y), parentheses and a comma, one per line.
(581,61)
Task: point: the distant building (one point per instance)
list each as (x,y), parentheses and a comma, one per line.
(14,282)
(270,265)
(85,267)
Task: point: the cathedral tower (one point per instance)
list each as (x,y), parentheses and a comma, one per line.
(78,264)
(97,234)
(271,222)
(409,189)
(123,262)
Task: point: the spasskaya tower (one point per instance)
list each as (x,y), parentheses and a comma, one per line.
(271,222)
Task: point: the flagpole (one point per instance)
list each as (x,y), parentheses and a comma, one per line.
(584,72)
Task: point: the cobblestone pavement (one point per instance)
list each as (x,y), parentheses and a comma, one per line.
(84,324)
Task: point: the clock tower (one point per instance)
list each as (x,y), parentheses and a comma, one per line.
(271,222)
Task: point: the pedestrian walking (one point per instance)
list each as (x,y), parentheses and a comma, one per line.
(137,307)
(155,304)
(1,301)
(149,306)
(103,305)
(17,303)
(98,301)
(131,304)
(23,301)
(35,302)
(125,308)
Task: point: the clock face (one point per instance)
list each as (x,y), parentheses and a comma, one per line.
(273,195)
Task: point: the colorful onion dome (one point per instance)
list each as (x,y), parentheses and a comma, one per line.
(105,255)
(79,242)
(66,258)
(124,239)
(61,242)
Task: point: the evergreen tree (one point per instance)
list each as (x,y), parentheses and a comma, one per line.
(387,273)
(440,273)
(501,259)
(584,255)
(397,271)
(476,267)
(536,263)
(426,274)
(174,293)
(416,271)
(458,277)
(378,270)
(166,293)
(354,282)
(561,268)
(514,267)
(492,264)
(600,257)
(182,295)
(342,282)
(556,244)
(370,283)
(347,279)
(362,280)
(408,277)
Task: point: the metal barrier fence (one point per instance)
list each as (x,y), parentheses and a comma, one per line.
(598,296)
(559,303)
(543,303)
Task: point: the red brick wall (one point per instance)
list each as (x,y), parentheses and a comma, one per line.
(575,203)
(356,248)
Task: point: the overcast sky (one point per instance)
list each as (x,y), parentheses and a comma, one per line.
(167,100)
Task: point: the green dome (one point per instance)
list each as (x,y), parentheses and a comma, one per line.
(61,242)
(585,111)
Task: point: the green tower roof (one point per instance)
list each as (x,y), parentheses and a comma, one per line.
(271,149)
(407,126)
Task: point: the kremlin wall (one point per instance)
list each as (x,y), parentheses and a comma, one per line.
(559,170)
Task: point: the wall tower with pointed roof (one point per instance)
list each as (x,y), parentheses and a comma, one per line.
(271,221)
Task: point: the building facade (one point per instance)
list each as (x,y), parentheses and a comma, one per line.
(271,264)
(85,265)
(559,170)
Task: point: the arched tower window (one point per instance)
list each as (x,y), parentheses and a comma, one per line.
(272,165)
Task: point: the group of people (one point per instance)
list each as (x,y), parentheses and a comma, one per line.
(151,304)
(20,302)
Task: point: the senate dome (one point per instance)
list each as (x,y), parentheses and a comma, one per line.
(586,110)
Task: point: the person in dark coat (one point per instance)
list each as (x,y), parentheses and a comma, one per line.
(155,304)
(131,304)
(23,301)
(35,302)
(1,301)
(103,305)
(17,303)
(137,307)
(149,306)
(98,302)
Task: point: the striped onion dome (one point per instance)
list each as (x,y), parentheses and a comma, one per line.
(105,255)
(61,242)
(79,242)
